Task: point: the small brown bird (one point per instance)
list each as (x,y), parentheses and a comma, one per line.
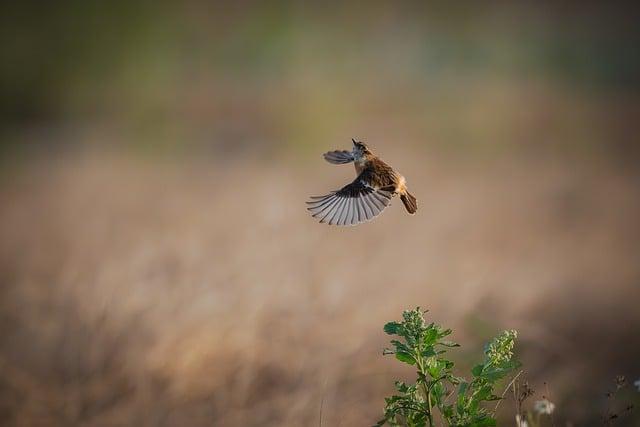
(367,196)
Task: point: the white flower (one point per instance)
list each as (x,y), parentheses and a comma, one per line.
(544,407)
(637,383)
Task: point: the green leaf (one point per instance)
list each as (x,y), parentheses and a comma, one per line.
(434,371)
(419,342)
(437,391)
(433,367)
(405,357)
(402,387)
(430,336)
(483,393)
(485,422)
(494,373)
(447,411)
(444,333)
(393,328)
(400,346)
(428,352)
(477,370)
(460,403)
(419,420)
(463,387)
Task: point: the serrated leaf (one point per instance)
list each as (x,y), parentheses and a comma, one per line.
(444,333)
(493,375)
(393,399)
(466,408)
(434,370)
(483,393)
(400,346)
(405,357)
(437,391)
(428,352)
(393,328)
(430,336)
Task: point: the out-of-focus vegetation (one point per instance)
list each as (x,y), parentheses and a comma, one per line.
(469,75)
(157,265)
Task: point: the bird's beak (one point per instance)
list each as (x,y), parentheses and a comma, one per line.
(354,141)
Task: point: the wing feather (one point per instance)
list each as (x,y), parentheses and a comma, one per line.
(328,210)
(367,208)
(335,212)
(349,220)
(355,215)
(339,157)
(353,204)
(376,206)
(345,213)
(321,205)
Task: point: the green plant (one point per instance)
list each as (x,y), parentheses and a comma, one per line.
(437,393)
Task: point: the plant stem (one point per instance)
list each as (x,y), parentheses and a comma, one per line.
(425,389)
(505,391)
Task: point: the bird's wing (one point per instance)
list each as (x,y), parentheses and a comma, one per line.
(352,204)
(339,157)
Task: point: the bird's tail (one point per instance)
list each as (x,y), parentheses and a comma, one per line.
(410,202)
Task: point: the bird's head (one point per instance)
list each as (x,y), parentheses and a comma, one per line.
(360,149)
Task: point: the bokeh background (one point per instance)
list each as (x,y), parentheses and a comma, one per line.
(157,263)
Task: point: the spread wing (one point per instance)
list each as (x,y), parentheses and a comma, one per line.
(338,157)
(351,205)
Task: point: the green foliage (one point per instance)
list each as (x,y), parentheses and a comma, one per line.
(437,392)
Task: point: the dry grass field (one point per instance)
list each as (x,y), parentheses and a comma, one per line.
(199,292)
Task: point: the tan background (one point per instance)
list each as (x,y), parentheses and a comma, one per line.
(157,264)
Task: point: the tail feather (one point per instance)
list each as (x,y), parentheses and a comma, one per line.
(410,202)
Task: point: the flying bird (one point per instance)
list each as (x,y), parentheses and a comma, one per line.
(367,196)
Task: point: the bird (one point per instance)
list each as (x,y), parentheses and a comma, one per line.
(367,196)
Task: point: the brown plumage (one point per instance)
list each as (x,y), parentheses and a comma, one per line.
(367,196)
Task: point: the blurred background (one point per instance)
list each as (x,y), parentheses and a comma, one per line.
(157,263)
